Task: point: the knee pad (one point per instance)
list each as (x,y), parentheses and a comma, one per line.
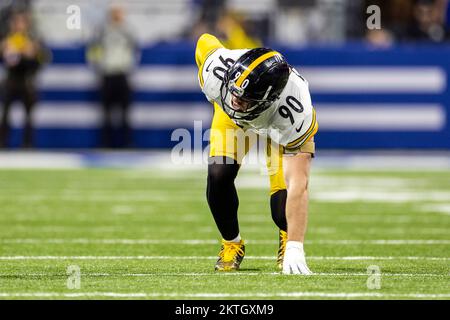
(222,170)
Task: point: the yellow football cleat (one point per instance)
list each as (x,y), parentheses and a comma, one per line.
(230,256)
(281,248)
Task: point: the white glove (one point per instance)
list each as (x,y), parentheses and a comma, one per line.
(294,259)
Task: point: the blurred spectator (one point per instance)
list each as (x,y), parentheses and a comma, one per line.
(207,13)
(22,54)
(114,54)
(408,21)
(7,9)
(381,38)
(395,15)
(230,27)
(427,22)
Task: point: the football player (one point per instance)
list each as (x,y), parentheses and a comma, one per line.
(257,90)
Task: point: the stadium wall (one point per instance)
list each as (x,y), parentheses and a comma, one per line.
(366,98)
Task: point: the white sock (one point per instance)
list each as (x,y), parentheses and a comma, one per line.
(237,239)
(294,244)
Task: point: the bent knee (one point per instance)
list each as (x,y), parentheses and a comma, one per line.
(222,171)
(298,187)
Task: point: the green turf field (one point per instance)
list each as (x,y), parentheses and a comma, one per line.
(149,234)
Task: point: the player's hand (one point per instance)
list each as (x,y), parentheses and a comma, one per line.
(294,261)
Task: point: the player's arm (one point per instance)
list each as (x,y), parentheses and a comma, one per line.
(296,173)
(207,44)
(296,165)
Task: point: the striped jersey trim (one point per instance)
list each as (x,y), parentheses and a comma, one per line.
(200,71)
(312,129)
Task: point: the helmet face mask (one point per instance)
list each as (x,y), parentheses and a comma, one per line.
(253,107)
(246,96)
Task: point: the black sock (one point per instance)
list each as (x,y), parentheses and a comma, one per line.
(278,208)
(222,196)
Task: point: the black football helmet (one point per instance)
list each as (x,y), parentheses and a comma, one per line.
(257,78)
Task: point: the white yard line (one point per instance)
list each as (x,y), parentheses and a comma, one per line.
(241,273)
(442,208)
(214,257)
(376,195)
(220,295)
(151,161)
(343,195)
(215,242)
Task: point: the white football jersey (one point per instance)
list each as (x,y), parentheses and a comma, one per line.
(289,121)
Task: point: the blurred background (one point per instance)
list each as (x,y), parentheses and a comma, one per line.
(101,87)
(79,74)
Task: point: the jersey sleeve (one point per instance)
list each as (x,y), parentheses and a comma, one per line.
(306,134)
(213,60)
(207,44)
(308,127)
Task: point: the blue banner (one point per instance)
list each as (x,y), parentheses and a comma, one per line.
(394,98)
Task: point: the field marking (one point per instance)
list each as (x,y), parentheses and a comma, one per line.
(215,257)
(211,241)
(443,208)
(219,274)
(356,195)
(222,295)
(345,195)
(326,183)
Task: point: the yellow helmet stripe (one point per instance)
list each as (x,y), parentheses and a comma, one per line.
(253,65)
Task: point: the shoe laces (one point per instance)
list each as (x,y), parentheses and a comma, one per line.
(230,250)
